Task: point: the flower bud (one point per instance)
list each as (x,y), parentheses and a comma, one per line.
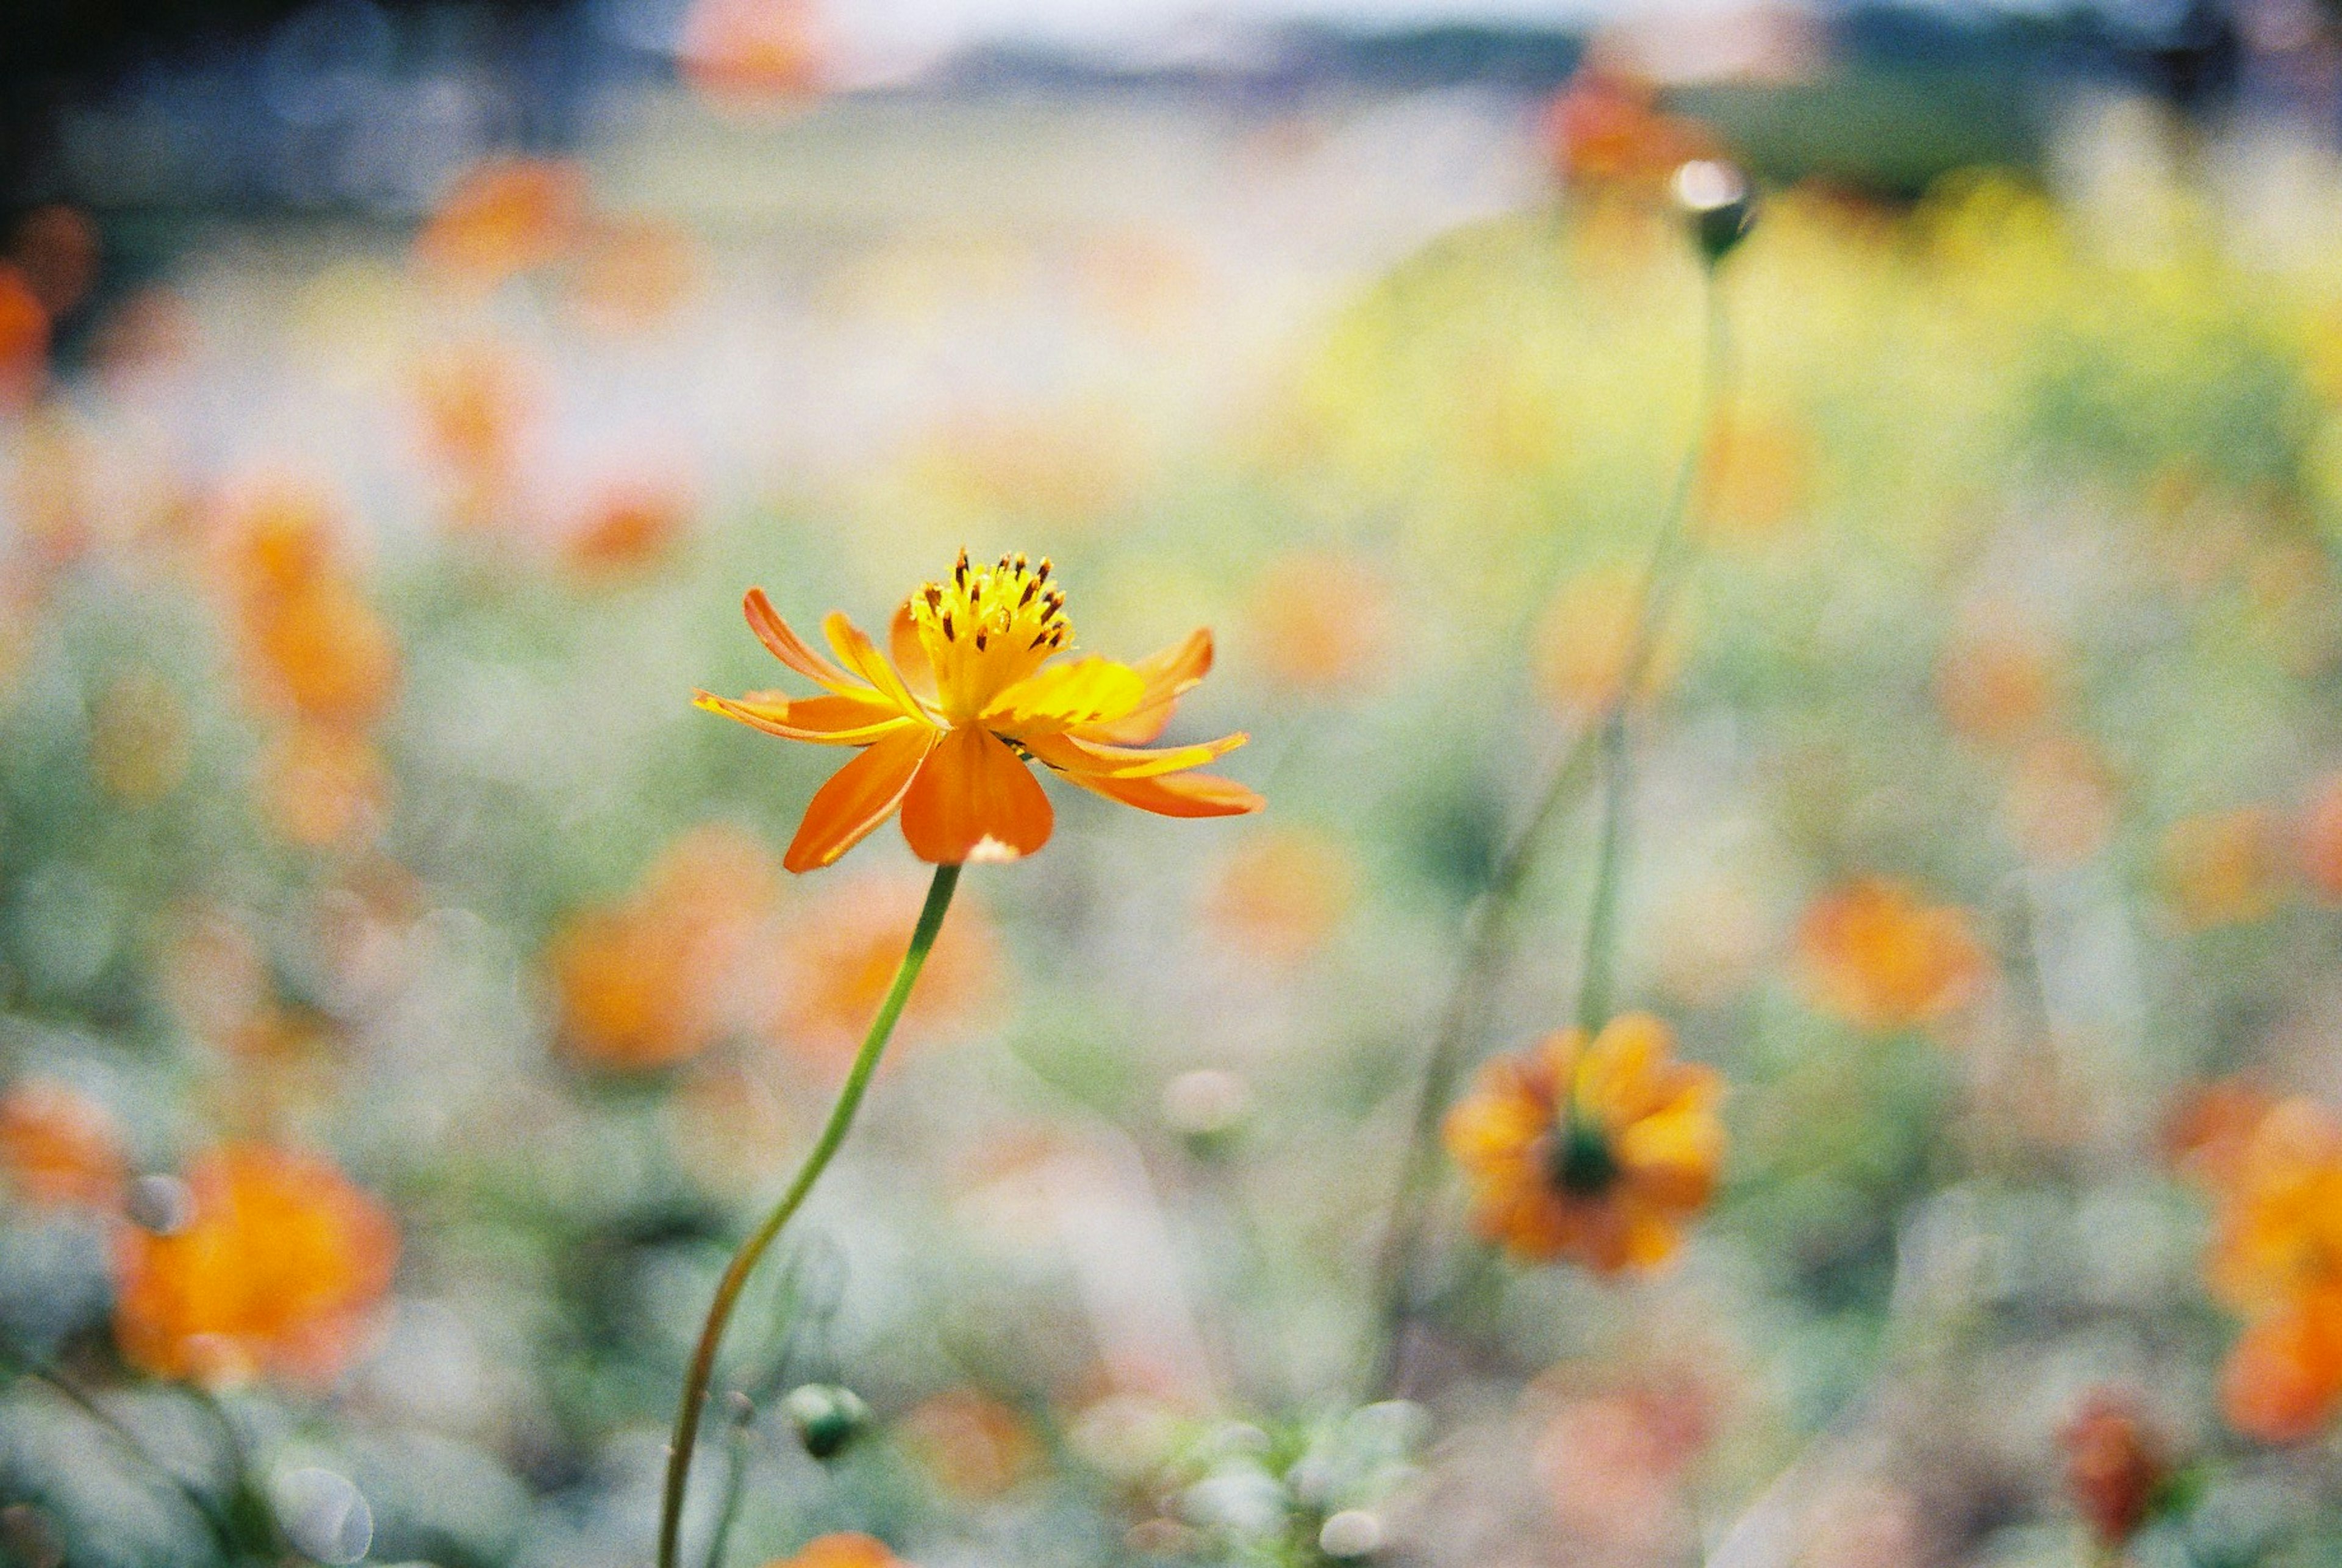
(1716,201)
(826,1416)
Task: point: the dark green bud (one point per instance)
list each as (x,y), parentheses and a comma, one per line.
(828,1416)
(1717,201)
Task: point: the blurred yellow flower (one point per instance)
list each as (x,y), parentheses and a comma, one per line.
(273,1271)
(58,1147)
(1597,1152)
(948,724)
(1875,955)
(2224,868)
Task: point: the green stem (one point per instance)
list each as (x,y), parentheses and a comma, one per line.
(744,1261)
(1489,941)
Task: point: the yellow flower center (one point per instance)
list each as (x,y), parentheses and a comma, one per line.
(987,628)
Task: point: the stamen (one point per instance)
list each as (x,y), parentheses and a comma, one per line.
(959,572)
(1043,575)
(948,627)
(979,642)
(1032,586)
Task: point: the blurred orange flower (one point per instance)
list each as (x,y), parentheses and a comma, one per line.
(1995,686)
(2224,868)
(1320,621)
(320,787)
(2207,1131)
(752,52)
(2115,1465)
(23,341)
(1757,478)
(843,1550)
(1281,894)
(627,528)
(647,983)
(1604,127)
(2061,801)
(948,724)
(503,216)
(1594,1150)
(275,1272)
(633,272)
(474,400)
(838,953)
(2280,1230)
(2318,840)
(58,1147)
(2282,1382)
(975,1445)
(1587,640)
(1875,955)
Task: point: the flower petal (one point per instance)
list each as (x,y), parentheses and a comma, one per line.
(1180,795)
(852,645)
(790,648)
(910,655)
(976,800)
(1072,755)
(835,721)
(1061,698)
(858,797)
(1169,674)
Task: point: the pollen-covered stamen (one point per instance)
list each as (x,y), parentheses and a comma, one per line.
(987,628)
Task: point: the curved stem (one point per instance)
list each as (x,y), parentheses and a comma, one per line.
(816,1160)
(1604,740)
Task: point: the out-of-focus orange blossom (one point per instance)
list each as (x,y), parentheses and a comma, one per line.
(502,217)
(275,1273)
(837,954)
(58,1147)
(2282,1382)
(1587,641)
(975,1446)
(1873,953)
(1320,621)
(2207,1131)
(1757,478)
(751,54)
(1597,1151)
(627,528)
(632,274)
(1282,893)
(2225,867)
(841,1551)
(1605,128)
(474,400)
(2317,840)
(1614,1460)
(1996,685)
(651,981)
(2115,1465)
(23,341)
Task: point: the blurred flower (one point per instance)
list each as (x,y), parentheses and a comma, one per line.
(2279,1226)
(1320,623)
(1605,128)
(321,652)
(1597,1152)
(2207,1131)
(974,1446)
(2223,868)
(748,53)
(628,527)
(56,251)
(23,341)
(275,1273)
(632,273)
(948,723)
(1757,478)
(1587,640)
(2282,1382)
(474,400)
(2060,804)
(1613,1464)
(1876,956)
(2318,841)
(502,217)
(838,952)
(319,786)
(58,1147)
(1995,685)
(649,982)
(139,740)
(1282,893)
(2114,1466)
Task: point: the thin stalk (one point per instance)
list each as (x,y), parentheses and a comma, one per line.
(1489,937)
(744,1261)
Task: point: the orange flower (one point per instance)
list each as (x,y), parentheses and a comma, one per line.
(1321,623)
(2114,1465)
(746,52)
(2223,868)
(1597,1152)
(644,984)
(2279,1231)
(628,526)
(838,954)
(2320,840)
(974,1445)
(502,217)
(1997,686)
(843,1550)
(1881,960)
(1282,894)
(948,724)
(2209,1131)
(2282,1382)
(23,341)
(1604,127)
(278,1268)
(58,1148)
(1588,638)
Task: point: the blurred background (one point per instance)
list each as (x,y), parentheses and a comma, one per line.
(402,1010)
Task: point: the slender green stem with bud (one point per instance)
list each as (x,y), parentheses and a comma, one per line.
(744,1261)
